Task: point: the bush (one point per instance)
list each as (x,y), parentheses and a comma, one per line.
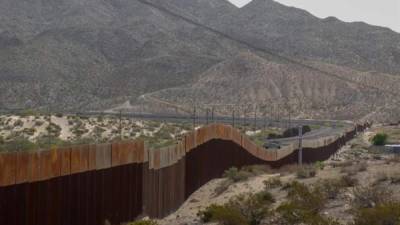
(59,115)
(380,177)
(331,188)
(307,171)
(18,123)
(385,214)
(395,178)
(273,182)
(379,139)
(144,222)
(29,131)
(38,123)
(236,175)
(369,197)
(349,181)
(244,209)
(304,206)
(18,144)
(222,214)
(257,169)
(320,165)
(354,168)
(222,187)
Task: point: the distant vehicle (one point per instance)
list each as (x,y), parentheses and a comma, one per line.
(272,144)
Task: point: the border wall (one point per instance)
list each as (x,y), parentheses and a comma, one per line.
(91,184)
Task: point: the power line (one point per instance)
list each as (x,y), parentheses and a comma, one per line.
(264,50)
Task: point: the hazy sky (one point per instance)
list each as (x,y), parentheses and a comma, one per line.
(377,12)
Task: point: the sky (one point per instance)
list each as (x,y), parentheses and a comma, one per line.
(384,13)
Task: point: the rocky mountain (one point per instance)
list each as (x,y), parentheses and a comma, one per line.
(247,79)
(97,54)
(294,32)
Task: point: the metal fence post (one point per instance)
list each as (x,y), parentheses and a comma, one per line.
(300,145)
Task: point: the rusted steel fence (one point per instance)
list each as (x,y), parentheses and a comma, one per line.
(92,184)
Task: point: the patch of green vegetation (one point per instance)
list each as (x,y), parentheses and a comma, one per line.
(143,222)
(304,206)
(17,144)
(53,129)
(29,131)
(271,183)
(306,171)
(260,137)
(38,123)
(379,139)
(28,112)
(369,197)
(18,123)
(236,175)
(244,209)
(384,214)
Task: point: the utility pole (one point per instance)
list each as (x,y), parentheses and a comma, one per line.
(120,125)
(255,117)
(194,117)
(207,110)
(212,114)
(265,121)
(49,127)
(233,117)
(300,145)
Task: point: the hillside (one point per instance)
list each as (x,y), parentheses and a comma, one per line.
(289,31)
(247,79)
(95,55)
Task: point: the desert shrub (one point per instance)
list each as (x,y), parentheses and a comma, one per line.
(393,159)
(273,182)
(46,142)
(244,209)
(306,171)
(385,214)
(100,119)
(236,175)
(38,123)
(377,157)
(59,115)
(223,214)
(28,112)
(144,222)
(379,139)
(222,187)
(348,181)
(98,131)
(18,123)
(361,167)
(395,178)
(331,187)
(294,131)
(256,169)
(29,131)
(18,144)
(368,197)
(380,177)
(320,165)
(354,168)
(304,206)
(54,129)
(341,164)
